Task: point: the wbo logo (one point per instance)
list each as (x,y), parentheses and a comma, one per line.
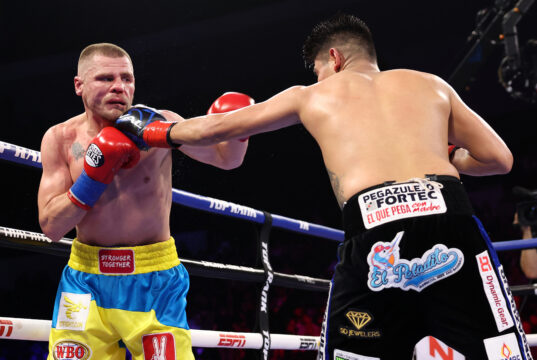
(71,350)
(388,270)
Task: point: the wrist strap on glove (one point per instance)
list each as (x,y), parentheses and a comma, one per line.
(85,191)
(157,134)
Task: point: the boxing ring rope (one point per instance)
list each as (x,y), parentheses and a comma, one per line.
(29,329)
(21,155)
(38,330)
(37,242)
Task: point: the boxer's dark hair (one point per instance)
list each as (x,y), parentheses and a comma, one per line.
(105,49)
(340,30)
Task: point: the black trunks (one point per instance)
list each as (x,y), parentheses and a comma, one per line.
(416,263)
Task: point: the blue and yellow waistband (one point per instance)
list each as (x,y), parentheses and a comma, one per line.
(123,260)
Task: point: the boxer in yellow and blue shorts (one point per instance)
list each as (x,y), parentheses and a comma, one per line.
(112,298)
(124,285)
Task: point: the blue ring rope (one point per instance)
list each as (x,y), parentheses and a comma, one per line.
(515,244)
(21,155)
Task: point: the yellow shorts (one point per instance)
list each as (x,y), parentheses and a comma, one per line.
(110,299)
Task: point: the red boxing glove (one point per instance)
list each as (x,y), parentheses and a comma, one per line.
(109,151)
(230,101)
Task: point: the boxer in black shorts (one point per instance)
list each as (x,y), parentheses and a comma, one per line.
(417,262)
(373,126)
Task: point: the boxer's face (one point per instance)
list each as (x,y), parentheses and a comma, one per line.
(106,85)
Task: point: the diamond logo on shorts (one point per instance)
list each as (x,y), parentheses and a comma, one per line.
(159,346)
(358,319)
(73,311)
(94,156)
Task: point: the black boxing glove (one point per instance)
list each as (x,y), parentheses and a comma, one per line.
(146,127)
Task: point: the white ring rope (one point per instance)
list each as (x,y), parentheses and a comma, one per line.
(38,330)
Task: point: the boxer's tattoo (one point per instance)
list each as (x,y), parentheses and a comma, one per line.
(77,150)
(338,191)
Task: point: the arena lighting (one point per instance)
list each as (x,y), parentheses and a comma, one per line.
(495,26)
(518,69)
(479,44)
